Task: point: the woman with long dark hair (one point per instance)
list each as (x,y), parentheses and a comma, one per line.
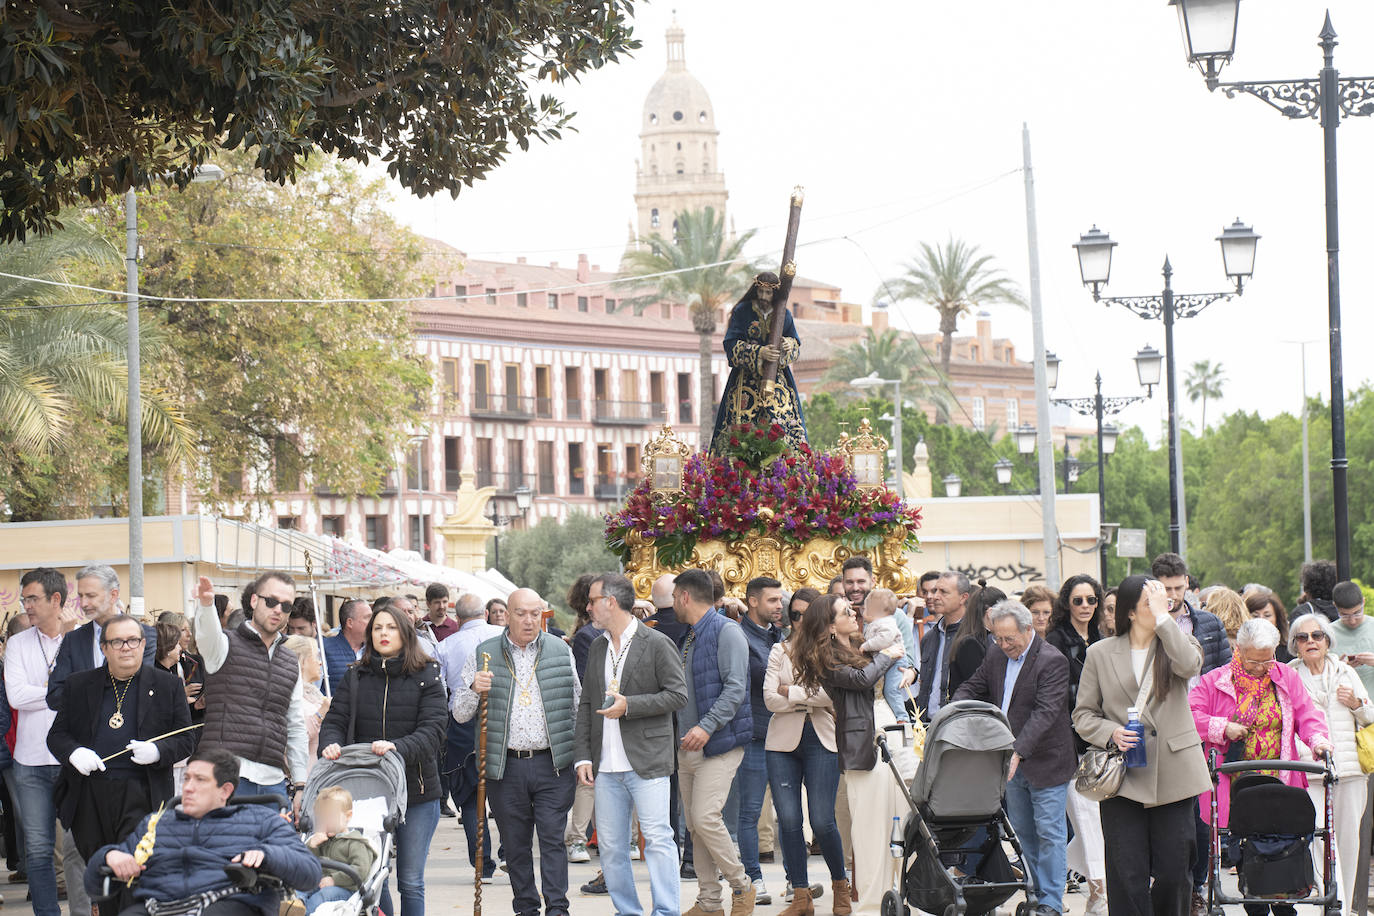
(971,640)
(1073,628)
(1147,828)
(394,698)
(828,659)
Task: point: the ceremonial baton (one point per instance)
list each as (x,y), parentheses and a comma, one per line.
(319,630)
(481,790)
(786,272)
(150,740)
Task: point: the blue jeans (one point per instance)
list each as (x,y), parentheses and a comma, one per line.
(323,895)
(34,785)
(810,764)
(246,788)
(1039,817)
(894,695)
(751,781)
(618,796)
(412,848)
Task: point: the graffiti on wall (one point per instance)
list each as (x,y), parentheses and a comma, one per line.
(1020,574)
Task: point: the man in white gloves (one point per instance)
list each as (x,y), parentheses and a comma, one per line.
(119,729)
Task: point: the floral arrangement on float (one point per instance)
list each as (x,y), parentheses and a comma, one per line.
(759,507)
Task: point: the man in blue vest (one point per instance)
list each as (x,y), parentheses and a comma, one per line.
(713,730)
(532,694)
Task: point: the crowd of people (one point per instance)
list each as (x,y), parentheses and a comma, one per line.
(699,733)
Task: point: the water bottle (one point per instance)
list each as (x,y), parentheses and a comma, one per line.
(1135,756)
(895,845)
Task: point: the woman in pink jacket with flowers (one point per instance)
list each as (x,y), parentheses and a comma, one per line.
(1260,706)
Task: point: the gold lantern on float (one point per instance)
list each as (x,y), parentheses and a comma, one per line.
(663,462)
(865,453)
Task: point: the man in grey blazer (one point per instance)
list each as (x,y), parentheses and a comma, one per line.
(625,744)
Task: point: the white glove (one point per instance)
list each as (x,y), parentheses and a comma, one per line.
(144,752)
(86,761)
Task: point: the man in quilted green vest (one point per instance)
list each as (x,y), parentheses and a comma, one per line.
(532,694)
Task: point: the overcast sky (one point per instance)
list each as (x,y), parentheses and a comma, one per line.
(903,122)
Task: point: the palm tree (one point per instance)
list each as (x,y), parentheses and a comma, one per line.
(892,355)
(1205,381)
(54,358)
(954,280)
(711,271)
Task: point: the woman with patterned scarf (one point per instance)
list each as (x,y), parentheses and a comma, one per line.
(1256,709)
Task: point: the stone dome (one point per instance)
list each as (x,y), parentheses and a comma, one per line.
(678,99)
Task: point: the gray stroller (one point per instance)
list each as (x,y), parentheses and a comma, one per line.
(378,787)
(951,842)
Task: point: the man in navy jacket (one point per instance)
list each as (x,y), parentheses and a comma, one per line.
(194,842)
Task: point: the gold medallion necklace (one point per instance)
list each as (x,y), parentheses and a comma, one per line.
(525,696)
(117,720)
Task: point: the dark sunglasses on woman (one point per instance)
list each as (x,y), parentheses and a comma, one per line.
(1080,600)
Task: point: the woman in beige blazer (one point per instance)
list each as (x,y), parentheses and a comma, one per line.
(1147,828)
(800,750)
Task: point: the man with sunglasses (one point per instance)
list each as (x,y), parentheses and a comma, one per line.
(114,772)
(253,703)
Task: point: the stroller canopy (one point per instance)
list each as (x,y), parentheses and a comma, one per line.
(365,776)
(967,755)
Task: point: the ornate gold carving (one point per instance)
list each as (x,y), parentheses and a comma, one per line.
(789,269)
(865,454)
(798,195)
(664,458)
(812,564)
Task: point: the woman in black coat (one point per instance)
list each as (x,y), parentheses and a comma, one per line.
(971,639)
(394,699)
(1074,627)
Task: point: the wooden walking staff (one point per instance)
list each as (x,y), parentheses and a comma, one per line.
(481,790)
(786,272)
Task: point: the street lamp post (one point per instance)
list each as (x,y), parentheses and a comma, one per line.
(1099,407)
(204,173)
(1238,243)
(524,498)
(872,381)
(1209,31)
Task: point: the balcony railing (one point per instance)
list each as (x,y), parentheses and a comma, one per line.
(453,478)
(543,407)
(502,406)
(629,413)
(506,483)
(577,485)
(574,408)
(614,487)
(546,484)
(684,412)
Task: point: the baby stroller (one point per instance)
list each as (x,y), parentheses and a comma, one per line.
(956,812)
(1269,836)
(378,787)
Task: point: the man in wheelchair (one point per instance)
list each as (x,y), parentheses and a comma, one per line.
(207,856)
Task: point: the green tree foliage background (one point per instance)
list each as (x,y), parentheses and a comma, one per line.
(551,555)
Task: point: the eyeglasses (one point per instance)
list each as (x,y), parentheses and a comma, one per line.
(33,599)
(794,616)
(133,642)
(275,602)
(1006,640)
(1315,636)
(1344,615)
(1080,600)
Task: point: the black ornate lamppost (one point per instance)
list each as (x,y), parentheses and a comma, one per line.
(1147,367)
(1209,33)
(1238,243)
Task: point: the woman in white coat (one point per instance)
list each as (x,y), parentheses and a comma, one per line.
(1338,692)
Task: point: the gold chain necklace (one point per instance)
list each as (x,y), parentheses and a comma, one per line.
(525,697)
(117,720)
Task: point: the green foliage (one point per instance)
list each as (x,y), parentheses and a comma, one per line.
(892,355)
(96,98)
(550,556)
(954,280)
(704,270)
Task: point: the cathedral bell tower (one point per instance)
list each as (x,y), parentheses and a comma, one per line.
(678,166)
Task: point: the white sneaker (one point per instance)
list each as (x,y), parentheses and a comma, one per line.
(761,895)
(816,892)
(577,852)
(635,854)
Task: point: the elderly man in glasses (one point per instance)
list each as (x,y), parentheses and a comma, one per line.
(119,729)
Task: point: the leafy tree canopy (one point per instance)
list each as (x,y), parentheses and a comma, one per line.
(550,556)
(97,97)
